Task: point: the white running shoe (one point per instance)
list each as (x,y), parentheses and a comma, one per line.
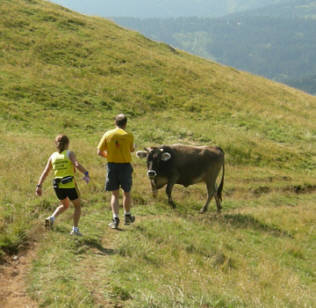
(49,222)
(114,223)
(75,232)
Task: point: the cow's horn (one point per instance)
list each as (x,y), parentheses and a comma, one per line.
(141,154)
(165,156)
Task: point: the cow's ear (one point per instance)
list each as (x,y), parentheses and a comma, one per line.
(141,154)
(165,156)
(149,149)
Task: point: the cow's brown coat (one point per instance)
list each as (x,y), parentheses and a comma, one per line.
(187,165)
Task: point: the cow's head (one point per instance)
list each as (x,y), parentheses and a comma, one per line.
(156,157)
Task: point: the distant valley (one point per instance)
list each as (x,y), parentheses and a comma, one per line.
(271,38)
(277,41)
(164,8)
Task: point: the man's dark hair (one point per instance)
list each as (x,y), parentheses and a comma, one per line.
(121,120)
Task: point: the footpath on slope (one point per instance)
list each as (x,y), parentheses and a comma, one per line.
(12,280)
(14,271)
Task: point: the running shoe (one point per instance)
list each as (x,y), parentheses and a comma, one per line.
(49,222)
(75,232)
(129,219)
(114,223)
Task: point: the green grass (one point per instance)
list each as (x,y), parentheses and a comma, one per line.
(64,72)
(239,259)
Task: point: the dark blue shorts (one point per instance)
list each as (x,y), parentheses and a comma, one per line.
(119,175)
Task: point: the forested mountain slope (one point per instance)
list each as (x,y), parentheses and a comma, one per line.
(276,41)
(285,9)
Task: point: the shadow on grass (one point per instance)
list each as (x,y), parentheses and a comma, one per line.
(83,243)
(93,243)
(248,221)
(241,221)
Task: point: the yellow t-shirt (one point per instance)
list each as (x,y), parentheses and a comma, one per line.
(63,167)
(118,143)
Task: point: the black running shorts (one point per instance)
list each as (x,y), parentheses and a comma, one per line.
(63,193)
(119,175)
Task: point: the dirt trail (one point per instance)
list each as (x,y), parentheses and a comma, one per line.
(12,280)
(14,271)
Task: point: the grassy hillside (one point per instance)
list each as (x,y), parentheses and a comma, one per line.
(63,72)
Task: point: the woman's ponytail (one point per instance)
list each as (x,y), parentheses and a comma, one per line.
(61,142)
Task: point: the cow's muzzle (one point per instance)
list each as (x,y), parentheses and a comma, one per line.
(151,173)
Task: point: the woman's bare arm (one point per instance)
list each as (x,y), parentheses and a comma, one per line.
(76,163)
(43,176)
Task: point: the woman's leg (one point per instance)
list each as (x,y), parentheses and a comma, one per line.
(77,212)
(49,221)
(63,207)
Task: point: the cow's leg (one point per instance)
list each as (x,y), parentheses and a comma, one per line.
(218,201)
(168,192)
(210,193)
(153,188)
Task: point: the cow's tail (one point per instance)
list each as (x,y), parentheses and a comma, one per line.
(221,185)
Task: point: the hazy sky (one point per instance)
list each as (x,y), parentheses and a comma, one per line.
(162,8)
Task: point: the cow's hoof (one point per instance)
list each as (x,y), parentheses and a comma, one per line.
(172,204)
(219,210)
(202,210)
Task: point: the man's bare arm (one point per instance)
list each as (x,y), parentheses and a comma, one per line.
(102,153)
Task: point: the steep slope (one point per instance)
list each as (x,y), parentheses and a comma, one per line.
(55,61)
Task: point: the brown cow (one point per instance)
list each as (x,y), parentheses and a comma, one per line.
(185,165)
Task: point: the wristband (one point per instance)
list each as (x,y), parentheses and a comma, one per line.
(86,173)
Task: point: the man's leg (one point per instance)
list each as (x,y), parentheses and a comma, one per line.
(126,183)
(115,202)
(127,203)
(115,208)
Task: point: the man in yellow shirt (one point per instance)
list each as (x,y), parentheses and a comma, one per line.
(116,146)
